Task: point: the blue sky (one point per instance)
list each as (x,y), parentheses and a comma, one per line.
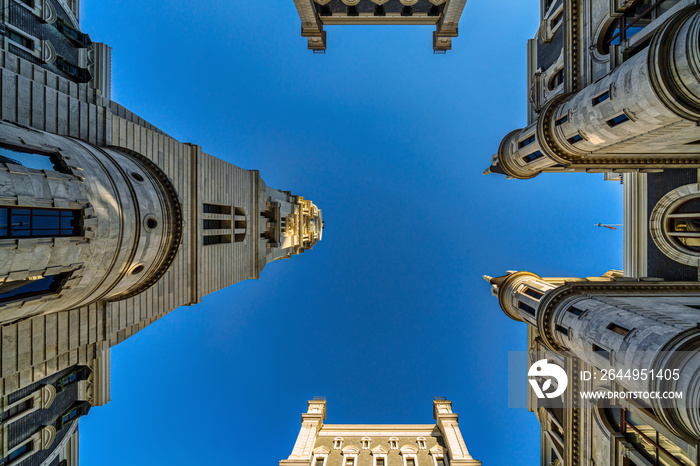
(389,309)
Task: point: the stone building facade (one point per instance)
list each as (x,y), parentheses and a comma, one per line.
(321,444)
(613,87)
(443,14)
(106,225)
(613,323)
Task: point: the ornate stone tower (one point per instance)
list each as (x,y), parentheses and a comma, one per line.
(614,324)
(444,14)
(106,225)
(613,87)
(320,444)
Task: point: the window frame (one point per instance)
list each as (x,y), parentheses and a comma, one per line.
(25,36)
(78,231)
(55,286)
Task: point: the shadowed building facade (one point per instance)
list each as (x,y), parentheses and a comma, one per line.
(443,14)
(106,225)
(321,444)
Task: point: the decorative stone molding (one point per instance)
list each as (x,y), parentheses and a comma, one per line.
(674,75)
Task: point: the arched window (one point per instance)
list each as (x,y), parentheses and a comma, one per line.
(633,20)
(556,80)
(674,224)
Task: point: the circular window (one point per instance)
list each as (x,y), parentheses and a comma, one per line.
(674,225)
(151,223)
(136,176)
(137,270)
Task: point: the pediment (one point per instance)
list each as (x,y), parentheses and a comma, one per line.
(351,449)
(321,451)
(437,450)
(407,449)
(379,451)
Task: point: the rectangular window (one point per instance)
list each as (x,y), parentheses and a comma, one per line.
(562,330)
(554,22)
(575,139)
(34,160)
(217,239)
(67,380)
(575,310)
(526,142)
(217,224)
(380,462)
(30,222)
(20,408)
(26,448)
(617,329)
(440,462)
(320,461)
(618,120)
(534,293)
(20,39)
(217,209)
(601,98)
(350,462)
(601,351)
(561,120)
(30,288)
(410,462)
(534,156)
(69,416)
(526,308)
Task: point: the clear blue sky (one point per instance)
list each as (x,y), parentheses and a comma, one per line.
(389,309)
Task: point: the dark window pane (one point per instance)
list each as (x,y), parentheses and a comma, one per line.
(47,212)
(21,289)
(20,451)
(45,223)
(3,218)
(69,222)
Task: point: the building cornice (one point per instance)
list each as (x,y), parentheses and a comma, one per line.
(551,301)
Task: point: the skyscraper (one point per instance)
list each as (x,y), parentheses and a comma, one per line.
(106,225)
(444,14)
(321,444)
(612,88)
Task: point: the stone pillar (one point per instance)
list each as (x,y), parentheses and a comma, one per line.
(448,422)
(655,90)
(311,423)
(620,325)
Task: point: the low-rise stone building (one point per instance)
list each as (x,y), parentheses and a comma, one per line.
(321,444)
